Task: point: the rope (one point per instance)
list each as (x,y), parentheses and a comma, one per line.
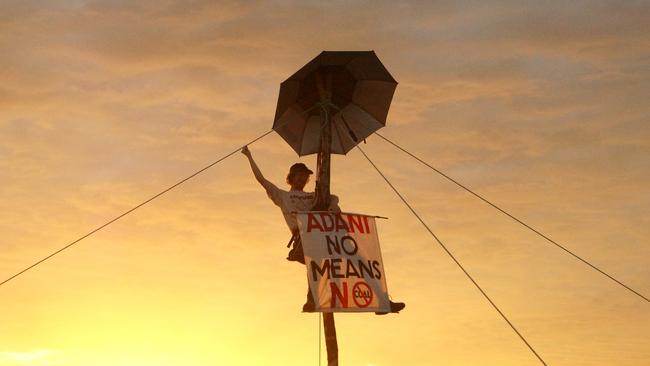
(516,219)
(453,258)
(133,209)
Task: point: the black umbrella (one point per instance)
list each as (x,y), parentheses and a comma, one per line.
(352,89)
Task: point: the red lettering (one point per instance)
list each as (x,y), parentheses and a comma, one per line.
(365,221)
(342,296)
(340,223)
(312,223)
(328,222)
(355,223)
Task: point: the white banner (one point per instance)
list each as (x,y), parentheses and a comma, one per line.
(344,266)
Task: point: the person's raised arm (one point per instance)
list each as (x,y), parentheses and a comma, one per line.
(256,170)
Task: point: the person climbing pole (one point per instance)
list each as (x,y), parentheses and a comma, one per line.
(296,200)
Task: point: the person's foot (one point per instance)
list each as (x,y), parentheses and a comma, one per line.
(395,307)
(309,307)
(295,256)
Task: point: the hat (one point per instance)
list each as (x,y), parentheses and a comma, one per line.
(299,167)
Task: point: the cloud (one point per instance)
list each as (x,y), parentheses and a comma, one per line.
(540,107)
(33,357)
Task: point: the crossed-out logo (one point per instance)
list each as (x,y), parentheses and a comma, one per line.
(362,294)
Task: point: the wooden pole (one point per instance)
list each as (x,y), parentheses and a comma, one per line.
(322,189)
(330,340)
(322,192)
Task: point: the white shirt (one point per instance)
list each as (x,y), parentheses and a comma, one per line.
(294,201)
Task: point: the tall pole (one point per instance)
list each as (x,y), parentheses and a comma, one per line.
(322,193)
(323,164)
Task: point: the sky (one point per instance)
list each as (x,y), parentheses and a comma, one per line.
(539,106)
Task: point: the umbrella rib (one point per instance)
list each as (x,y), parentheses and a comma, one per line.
(363,109)
(370,128)
(302,134)
(339,134)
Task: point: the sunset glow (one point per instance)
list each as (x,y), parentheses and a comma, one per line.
(540,106)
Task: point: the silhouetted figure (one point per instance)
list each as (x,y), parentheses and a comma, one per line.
(296,200)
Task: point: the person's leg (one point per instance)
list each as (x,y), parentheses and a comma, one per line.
(395,307)
(296,253)
(310,305)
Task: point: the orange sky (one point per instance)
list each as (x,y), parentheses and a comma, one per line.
(540,107)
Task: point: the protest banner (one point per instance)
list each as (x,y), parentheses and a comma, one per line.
(345,270)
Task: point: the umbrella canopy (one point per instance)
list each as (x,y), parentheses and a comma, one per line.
(354,87)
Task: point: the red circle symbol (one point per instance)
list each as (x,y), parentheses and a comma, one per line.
(362,294)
